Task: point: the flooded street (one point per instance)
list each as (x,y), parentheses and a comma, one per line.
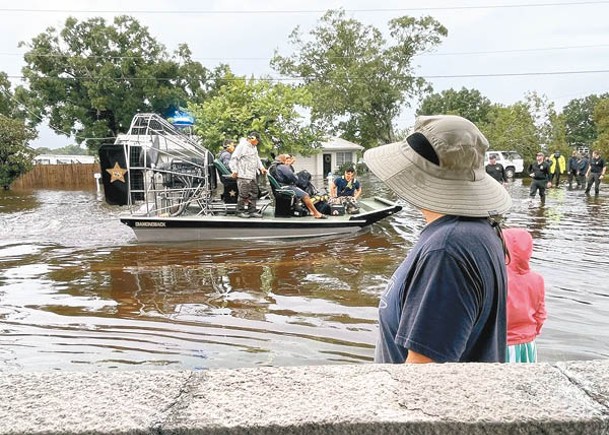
(78,293)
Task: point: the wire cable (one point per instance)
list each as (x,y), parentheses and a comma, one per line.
(299,78)
(300,11)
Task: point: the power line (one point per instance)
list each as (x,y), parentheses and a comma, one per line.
(297,78)
(249,59)
(515,50)
(33,114)
(298,11)
(524,74)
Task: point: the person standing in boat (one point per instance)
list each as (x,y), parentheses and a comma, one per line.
(526,307)
(244,164)
(227,150)
(446,302)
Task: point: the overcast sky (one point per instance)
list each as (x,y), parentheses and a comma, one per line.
(503,48)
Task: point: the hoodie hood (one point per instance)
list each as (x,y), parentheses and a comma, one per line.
(520,245)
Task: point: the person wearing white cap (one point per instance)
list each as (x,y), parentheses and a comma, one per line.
(244,164)
(446,302)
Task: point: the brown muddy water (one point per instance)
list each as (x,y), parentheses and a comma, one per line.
(78,293)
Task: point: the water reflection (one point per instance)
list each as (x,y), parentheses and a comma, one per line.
(77,291)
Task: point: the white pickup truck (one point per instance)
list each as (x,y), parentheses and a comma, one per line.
(511,161)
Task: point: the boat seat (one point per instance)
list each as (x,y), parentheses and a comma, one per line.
(286,202)
(231,192)
(223,171)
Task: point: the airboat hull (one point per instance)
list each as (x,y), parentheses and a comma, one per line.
(267,227)
(168,181)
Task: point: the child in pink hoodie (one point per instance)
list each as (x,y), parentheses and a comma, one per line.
(526,308)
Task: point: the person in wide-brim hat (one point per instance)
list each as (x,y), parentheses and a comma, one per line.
(446,302)
(440,167)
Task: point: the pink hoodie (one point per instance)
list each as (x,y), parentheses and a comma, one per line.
(526,308)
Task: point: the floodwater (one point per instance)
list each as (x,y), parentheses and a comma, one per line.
(78,293)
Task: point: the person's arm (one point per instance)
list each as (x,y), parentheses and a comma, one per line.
(234,158)
(503,177)
(417,358)
(604,168)
(541,314)
(261,167)
(286,176)
(332,189)
(358,189)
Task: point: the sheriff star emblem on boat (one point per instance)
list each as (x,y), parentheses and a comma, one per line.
(116,173)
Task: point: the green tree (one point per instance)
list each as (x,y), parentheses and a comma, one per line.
(359,81)
(512,128)
(601,119)
(90,78)
(63,151)
(275,110)
(579,123)
(10,104)
(15,156)
(7,102)
(549,125)
(468,103)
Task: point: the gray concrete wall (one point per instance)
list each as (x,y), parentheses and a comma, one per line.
(564,398)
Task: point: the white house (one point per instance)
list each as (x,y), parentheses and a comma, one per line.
(58,159)
(333,154)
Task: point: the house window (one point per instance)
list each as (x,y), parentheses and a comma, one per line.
(343,157)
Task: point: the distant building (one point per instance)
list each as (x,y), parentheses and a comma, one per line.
(58,159)
(333,154)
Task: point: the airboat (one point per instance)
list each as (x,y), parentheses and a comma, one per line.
(174,190)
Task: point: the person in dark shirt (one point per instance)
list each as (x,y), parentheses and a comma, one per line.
(284,173)
(227,149)
(495,169)
(573,169)
(540,173)
(347,185)
(582,170)
(595,173)
(446,302)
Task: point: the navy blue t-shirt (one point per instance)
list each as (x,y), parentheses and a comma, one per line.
(344,188)
(447,299)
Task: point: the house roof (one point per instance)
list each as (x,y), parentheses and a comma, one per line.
(340,144)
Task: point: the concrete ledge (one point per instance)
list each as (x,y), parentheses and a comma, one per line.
(569,398)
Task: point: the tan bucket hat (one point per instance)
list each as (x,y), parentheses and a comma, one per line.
(440,167)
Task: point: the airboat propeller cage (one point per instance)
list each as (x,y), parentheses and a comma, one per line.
(156,166)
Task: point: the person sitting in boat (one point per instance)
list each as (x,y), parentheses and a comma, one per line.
(346,190)
(227,150)
(303,177)
(284,173)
